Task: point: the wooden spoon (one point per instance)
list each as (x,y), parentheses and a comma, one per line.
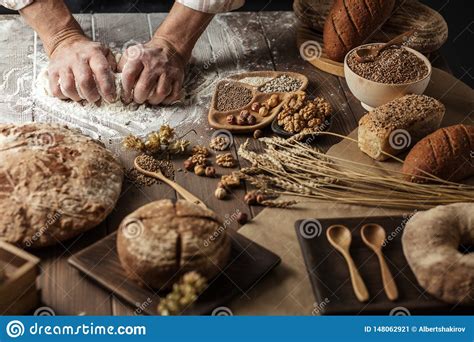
(373,236)
(369,54)
(161,177)
(339,237)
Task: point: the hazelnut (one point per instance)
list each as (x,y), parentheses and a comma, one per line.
(200,170)
(230,119)
(257,134)
(273,101)
(210,171)
(242,218)
(251,120)
(250,198)
(255,106)
(263,111)
(260,198)
(220,193)
(241,122)
(188,164)
(244,114)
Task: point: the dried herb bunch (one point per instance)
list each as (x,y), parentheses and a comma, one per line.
(290,167)
(184,293)
(159,142)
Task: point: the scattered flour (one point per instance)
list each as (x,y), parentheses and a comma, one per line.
(110,120)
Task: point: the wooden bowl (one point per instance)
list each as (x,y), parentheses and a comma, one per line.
(218,119)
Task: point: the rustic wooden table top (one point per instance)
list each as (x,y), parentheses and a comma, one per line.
(264,41)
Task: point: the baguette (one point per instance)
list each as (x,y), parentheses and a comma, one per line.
(351,22)
(394,126)
(446,154)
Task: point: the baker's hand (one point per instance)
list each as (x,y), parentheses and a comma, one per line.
(152,72)
(82,69)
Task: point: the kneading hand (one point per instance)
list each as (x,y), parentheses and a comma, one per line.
(82,69)
(152,72)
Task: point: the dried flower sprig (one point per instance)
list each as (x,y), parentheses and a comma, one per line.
(184,293)
(163,141)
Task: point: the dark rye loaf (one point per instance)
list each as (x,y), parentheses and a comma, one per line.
(447,154)
(351,22)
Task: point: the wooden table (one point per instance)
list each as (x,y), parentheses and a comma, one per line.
(232,42)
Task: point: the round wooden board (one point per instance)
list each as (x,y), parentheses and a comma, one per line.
(432,30)
(218,119)
(311,49)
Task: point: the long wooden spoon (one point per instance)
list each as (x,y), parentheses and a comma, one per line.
(373,236)
(340,238)
(369,54)
(139,165)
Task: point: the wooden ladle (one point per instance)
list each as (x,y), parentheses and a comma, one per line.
(369,54)
(340,238)
(161,177)
(373,236)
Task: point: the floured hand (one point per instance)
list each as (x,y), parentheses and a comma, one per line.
(152,72)
(82,69)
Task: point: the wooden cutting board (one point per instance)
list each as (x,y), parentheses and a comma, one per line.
(218,119)
(330,279)
(249,263)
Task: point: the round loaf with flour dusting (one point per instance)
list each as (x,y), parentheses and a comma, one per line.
(162,240)
(434,243)
(55,184)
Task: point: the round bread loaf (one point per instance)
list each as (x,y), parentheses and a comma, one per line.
(55,184)
(431,241)
(162,240)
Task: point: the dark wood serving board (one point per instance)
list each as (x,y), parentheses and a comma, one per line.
(330,279)
(248,264)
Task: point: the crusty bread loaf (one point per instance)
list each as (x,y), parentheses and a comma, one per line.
(351,22)
(55,183)
(431,28)
(395,126)
(162,240)
(446,154)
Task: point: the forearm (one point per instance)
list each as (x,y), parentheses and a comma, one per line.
(53,22)
(182,28)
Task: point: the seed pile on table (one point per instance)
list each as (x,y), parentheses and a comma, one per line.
(392,66)
(299,113)
(231,96)
(281,84)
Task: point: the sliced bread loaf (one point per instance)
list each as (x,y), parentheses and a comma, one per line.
(395,126)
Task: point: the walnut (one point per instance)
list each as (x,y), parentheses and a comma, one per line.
(199,149)
(299,113)
(226,160)
(220,143)
(230,181)
(198,159)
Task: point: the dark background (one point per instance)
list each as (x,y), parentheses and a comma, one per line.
(458,49)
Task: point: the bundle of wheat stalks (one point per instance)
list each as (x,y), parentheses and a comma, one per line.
(290,167)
